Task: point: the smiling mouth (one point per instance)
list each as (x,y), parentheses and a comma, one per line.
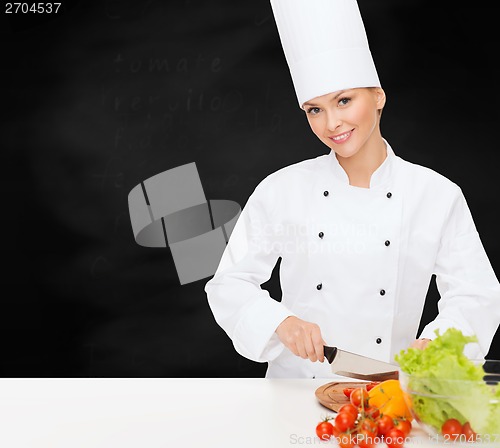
(341,138)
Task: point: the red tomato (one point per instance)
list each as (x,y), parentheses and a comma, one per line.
(348,407)
(371,385)
(394,438)
(372,412)
(325,430)
(469,433)
(451,429)
(358,396)
(385,424)
(345,421)
(403,425)
(346,440)
(347,391)
(366,439)
(370,425)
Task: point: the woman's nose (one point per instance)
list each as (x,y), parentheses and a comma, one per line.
(333,121)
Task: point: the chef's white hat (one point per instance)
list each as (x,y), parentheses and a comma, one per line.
(325,45)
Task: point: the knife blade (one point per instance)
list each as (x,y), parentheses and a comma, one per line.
(357,366)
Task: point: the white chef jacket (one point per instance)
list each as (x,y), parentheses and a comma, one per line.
(356,261)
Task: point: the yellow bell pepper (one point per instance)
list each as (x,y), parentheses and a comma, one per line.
(388,397)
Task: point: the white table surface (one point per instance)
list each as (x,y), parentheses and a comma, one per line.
(161,413)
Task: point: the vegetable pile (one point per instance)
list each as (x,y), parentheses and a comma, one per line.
(447,390)
(376,413)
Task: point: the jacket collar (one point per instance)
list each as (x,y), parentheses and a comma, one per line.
(379,177)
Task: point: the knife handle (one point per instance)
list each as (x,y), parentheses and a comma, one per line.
(330,353)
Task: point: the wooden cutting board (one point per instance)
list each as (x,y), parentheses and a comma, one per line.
(331,395)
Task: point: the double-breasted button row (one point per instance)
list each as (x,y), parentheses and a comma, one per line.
(387,243)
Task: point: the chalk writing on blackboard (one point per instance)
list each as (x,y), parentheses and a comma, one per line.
(154,65)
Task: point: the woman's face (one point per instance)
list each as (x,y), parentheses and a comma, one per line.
(346,120)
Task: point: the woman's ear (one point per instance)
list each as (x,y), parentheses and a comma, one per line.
(380,97)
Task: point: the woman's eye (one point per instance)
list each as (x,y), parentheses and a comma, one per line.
(313,110)
(344,101)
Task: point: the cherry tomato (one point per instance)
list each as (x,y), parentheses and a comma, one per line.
(451,429)
(372,412)
(366,439)
(347,391)
(469,433)
(345,421)
(348,407)
(325,430)
(370,425)
(403,425)
(394,438)
(346,440)
(371,385)
(358,396)
(385,424)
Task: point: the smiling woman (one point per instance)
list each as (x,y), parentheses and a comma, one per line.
(368,297)
(348,122)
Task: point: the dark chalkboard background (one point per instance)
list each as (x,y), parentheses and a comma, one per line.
(105,94)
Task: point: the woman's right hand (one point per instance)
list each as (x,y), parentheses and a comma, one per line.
(302,338)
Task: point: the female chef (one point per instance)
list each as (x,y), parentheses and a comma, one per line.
(359,230)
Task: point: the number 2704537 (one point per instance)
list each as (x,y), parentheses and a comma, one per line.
(30,8)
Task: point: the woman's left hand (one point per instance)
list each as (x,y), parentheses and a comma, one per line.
(420,343)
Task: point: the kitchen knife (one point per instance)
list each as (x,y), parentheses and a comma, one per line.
(360,367)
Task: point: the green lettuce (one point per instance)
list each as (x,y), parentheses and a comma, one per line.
(446,384)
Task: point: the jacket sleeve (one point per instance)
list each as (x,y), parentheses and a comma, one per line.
(240,306)
(469,289)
